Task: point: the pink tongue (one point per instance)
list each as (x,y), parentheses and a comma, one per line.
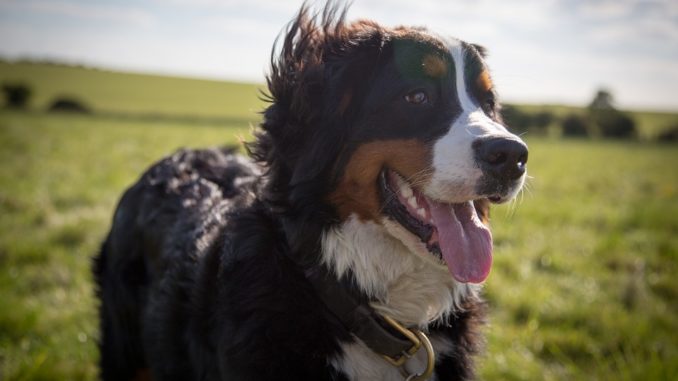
(466,244)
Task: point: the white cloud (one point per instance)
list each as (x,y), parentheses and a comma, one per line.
(215,5)
(606,9)
(452,14)
(126,14)
(246,28)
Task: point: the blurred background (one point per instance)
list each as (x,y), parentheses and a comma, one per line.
(583,286)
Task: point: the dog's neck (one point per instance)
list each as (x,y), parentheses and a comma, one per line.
(402,284)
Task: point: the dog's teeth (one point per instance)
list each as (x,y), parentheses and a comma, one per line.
(406,191)
(413,202)
(421,212)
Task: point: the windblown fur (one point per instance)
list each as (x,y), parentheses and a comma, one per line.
(203,275)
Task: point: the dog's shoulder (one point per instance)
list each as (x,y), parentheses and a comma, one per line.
(266,308)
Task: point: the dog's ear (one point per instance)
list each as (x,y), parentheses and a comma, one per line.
(349,59)
(480,49)
(296,63)
(349,52)
(295,83)
(483,209)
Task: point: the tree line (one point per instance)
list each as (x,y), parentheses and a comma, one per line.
(600,119)
(18,95)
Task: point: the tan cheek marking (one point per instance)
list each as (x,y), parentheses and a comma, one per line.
(357,191)
(484,81)
(483,209)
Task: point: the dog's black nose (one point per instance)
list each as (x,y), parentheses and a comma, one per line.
(502,158)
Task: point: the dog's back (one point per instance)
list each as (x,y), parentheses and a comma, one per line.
(162,226)
(195,282)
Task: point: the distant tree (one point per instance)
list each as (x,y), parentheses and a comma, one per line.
(617,125)
(68,104)
(669,135)
(610,122)
(17,95)
(515,118)
(542,119)
(575,125)
(603,100)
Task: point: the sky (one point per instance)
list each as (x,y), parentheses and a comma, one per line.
(540,51)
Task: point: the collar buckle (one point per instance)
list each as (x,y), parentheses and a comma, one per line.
(418,339)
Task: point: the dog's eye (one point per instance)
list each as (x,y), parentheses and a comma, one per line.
(417,97)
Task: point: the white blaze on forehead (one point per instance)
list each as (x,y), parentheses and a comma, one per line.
(478,122)
(458,54)
(456,172)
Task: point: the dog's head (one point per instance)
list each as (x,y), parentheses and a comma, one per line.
(394,126)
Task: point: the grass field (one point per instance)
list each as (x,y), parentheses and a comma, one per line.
(583,287)
(136,94)
(59,181)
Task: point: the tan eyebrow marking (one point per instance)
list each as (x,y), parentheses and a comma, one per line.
(434,66)
(484,81)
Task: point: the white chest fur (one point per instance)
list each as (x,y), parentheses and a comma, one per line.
(412,288)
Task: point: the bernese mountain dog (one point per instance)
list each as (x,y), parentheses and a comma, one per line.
(350,246)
